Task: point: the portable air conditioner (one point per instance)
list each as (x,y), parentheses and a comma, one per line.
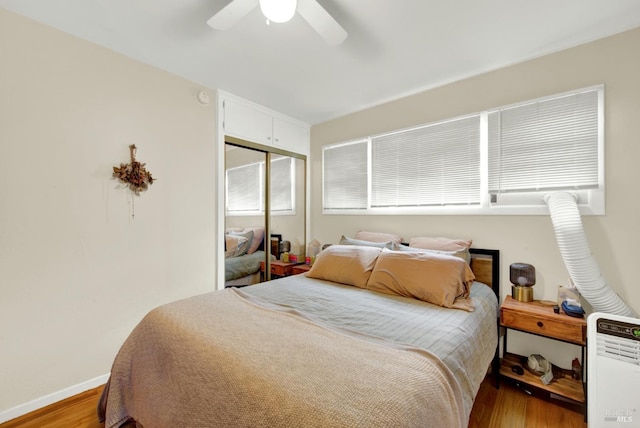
(613,371)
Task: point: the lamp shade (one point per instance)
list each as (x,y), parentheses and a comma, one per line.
(278,10)
(522,274)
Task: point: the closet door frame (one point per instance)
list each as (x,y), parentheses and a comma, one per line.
(268,150)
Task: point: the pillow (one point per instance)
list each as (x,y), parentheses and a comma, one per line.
(444,244)
(377,237)
(346,264)
(350,241)
(247,234)
(441,244)
(235,245)
(258,236)
(440,279)
(234,229)
(463,254)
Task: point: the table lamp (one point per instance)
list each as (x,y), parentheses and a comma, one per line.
(522,276)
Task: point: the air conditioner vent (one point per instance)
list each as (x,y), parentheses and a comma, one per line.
(619,348)
(613,370)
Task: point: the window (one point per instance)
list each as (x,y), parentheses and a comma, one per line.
(282,192)
(428,166)
(500,161)
(345,177)
(245,188)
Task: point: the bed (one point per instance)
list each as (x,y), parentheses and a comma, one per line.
(244,251)
(243,270)
(306,351)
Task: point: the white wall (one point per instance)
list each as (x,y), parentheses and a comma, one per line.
(76,271)
(614,61)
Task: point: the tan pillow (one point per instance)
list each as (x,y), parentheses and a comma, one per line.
(346,264)
(440,244)
(443,280)
(377,237)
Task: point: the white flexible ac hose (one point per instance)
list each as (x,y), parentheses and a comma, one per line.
(577,256)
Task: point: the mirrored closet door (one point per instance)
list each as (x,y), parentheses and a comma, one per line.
(265,213)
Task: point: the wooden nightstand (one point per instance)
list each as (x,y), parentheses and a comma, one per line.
(300,269)
(280,269)
(539,319)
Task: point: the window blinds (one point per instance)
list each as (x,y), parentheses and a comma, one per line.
(244,188)
(520,151)
(433,165)
(545,145)
(345,176)
(281,185)
(245,184)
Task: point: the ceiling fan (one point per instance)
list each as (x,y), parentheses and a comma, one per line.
(310,10)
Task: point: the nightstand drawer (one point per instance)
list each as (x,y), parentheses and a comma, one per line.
(543,326)
(300,269)
(280,270)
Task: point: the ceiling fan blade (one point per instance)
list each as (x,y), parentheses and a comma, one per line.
(231,13)
(322,22)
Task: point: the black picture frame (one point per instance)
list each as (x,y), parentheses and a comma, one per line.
(276,238)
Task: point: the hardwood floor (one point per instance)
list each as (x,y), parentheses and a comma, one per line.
(510,407)
(78,411)
(507,407)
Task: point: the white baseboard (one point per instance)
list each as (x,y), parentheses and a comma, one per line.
(41,402)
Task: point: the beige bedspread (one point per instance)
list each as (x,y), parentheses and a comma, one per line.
(225,360)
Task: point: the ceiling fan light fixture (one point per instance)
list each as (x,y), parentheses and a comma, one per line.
(278,10)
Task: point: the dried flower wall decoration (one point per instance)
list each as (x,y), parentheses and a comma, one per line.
(133,175)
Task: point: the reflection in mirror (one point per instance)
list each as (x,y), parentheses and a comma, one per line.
(248,171)
(245,218)
(288,206)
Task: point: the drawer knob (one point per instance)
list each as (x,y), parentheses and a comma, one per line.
(540,324)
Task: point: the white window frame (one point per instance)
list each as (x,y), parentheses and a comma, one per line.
(590,201)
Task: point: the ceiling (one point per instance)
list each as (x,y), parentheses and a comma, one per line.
(395,47)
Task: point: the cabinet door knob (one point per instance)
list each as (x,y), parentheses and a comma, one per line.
(540,324)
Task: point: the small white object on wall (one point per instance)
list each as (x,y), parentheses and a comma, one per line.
(202,97)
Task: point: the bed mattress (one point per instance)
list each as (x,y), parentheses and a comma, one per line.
(464,341)
(303,352)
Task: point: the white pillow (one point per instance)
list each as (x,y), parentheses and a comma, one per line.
(236,245)
(345,240)
(363,235)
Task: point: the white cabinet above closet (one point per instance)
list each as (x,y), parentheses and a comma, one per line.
(252,122)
